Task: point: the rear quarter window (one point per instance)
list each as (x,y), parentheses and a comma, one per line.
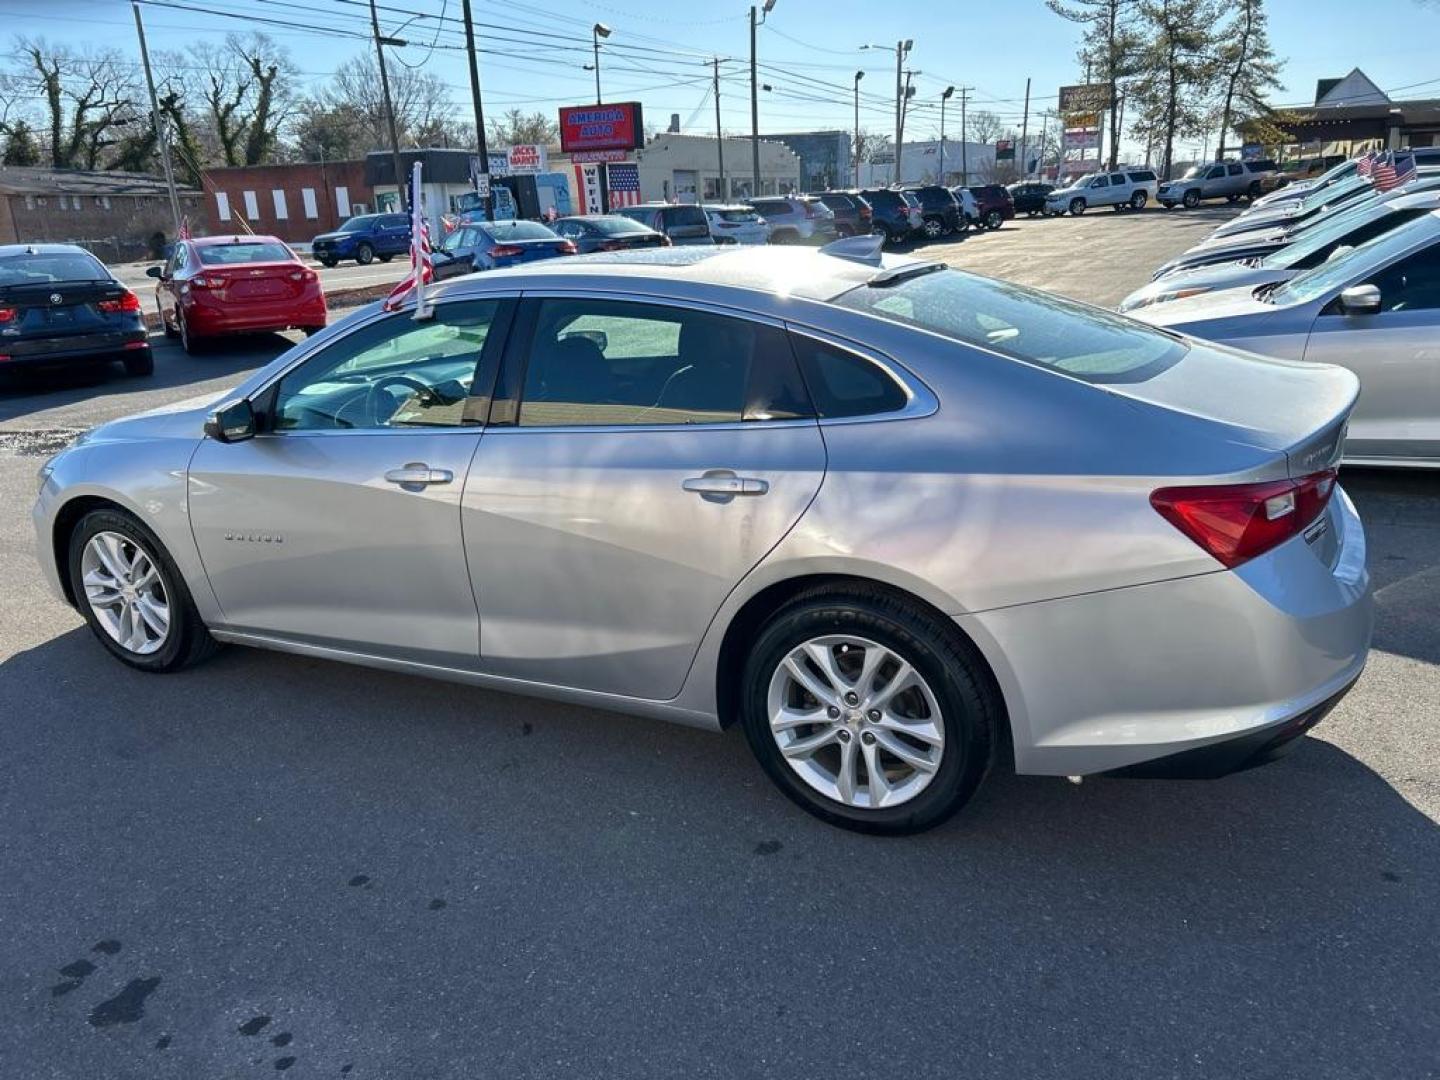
(842,384)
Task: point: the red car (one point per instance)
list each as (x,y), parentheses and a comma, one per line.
(215,286)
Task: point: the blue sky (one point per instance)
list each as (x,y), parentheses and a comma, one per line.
(809,48)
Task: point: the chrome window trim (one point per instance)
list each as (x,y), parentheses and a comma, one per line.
(920,400)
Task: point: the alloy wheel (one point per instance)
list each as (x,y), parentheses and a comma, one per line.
(855,721)
(933,229)
(124,589)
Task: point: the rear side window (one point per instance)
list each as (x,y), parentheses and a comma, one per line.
(882,198)
(1024,324)
(1141,176)
(685,216)
(843,384)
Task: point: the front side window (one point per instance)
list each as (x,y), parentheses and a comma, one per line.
(1411,284)
(1024,324)
(595,362)
(393,373)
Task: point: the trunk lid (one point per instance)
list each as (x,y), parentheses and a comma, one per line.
(61,308)
(255,283)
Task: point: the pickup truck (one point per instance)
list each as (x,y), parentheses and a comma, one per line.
(1229,180)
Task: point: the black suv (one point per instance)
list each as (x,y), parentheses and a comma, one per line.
(1029,197)
(896,214)
(939,210)
(852,213)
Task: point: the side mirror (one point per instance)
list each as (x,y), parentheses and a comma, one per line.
(232,423)
(1360,300)
(154,271)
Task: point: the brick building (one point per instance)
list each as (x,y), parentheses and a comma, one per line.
(295,201)
(116,215)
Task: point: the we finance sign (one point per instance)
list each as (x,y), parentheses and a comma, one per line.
(601,127)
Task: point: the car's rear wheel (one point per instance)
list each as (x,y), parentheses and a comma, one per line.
(934,228)
(132,595)
(139,362)
(169,331)
(364,254)
(1077,206)
(1137,200)
(868,712)
(994,219)
(1192,199)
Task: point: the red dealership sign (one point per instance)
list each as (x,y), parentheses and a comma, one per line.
(601,127)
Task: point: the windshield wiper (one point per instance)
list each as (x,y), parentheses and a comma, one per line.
(1263,293)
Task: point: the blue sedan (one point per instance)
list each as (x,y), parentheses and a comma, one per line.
(488,245)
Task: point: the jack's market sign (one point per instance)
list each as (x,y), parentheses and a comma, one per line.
(601,127)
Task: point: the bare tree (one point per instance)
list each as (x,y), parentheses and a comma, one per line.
(982,126)
(85,98)
(515,128)
(421,100)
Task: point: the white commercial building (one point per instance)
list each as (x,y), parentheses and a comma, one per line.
(686,168)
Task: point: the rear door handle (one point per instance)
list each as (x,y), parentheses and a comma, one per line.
(418,474)
(724,485)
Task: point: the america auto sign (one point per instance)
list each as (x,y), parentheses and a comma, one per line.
(590,128)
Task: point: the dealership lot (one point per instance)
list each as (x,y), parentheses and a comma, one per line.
(273,858)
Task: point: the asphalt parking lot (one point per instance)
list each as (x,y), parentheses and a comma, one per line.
(271,863)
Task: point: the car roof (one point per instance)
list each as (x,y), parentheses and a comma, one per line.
(43,249)
(778,272)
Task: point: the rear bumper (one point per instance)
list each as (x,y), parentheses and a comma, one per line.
(56,352)
(255,318)
(1241,661)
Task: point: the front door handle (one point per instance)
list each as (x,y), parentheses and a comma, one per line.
(722,485)
(417,474)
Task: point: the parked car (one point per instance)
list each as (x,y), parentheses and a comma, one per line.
(1029,197)
(490,245)
(217,286)
(853,216)
(1230,180)
(1254,243)
(1300,171)
(940,212)
(895,215)
(969,208)
(1314,206)
(1124,189)
(683,223)
(994,206)
(364,239)
(1374,309)
(60,306)
(796,219)
(607,232)
(737,224)
(1424,156)
(628,507)
(1283,261)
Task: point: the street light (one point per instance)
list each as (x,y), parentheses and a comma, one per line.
(943,98)
(755,20)
(858,76)
(598,31)
(901,50)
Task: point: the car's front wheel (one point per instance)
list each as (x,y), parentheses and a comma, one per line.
(868,712)
(1192,199)
(132,595)
(1077,206)
(364,254)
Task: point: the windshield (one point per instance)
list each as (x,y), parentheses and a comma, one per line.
(1341,190)
(1023,324)
(243,252)
(1355,264)
(1330,230)
(358,224)
(56,266)
(1193,171)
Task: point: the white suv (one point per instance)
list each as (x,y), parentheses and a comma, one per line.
(1124,189)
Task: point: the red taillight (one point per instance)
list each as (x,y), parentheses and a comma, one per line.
(7,314)
(504,251)
(303,275)
(203,282)
(1236,522)
(128,302)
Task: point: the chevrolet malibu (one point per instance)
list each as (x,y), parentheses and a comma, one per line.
(894,521)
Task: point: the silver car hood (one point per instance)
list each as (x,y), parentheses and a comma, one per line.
(1208,307)
(1214,277)
(178,420)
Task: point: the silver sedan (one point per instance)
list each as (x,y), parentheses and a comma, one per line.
(1374,309)
(891,520)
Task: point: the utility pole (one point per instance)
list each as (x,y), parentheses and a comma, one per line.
(602,169)
(899,116)
(756,18)
(964,149)
(1024,133)
(858,76)
(1044,131)
(943,98)
(905,104)
(160,132)
(487,202)
(380,43)
(719,135)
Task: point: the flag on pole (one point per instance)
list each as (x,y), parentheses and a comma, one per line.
(422,270)
(184,233)
(1366,165)
(624,182)
(1394,170)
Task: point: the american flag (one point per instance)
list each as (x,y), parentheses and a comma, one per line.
(1366,165)
(422,270)
(1393,170)
(624,182)
(184,232)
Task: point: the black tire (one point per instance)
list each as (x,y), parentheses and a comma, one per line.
(188,641)
(1191,199)
(1032,213)
(169,331)
(328,261)
(1077,207)
(364,254)
(1254,191)
(386,258)
(1167,205)
(191,344)
(785,236)
(1232,199)
(994,219)
(970,708)
(1138,200)
(933,228)
(139,362)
